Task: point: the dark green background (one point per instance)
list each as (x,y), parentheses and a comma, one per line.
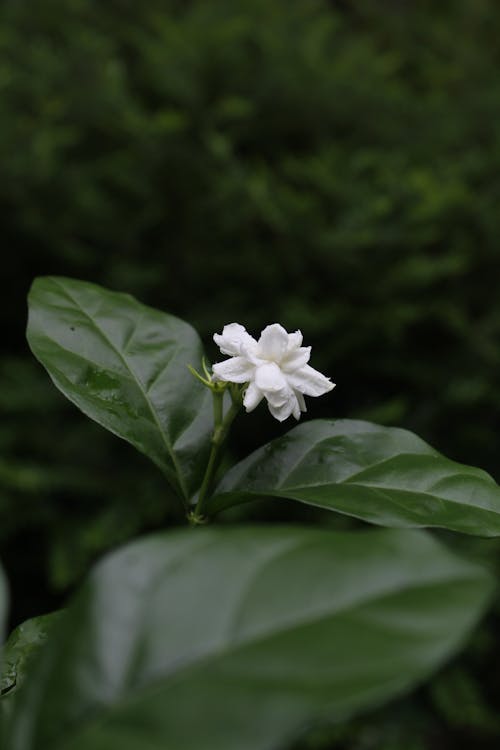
(333,166)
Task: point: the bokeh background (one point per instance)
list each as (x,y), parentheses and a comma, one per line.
(334,166)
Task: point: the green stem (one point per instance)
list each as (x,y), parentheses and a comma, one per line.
(221,429)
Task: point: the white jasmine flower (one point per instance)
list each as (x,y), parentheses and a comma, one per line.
(275,368)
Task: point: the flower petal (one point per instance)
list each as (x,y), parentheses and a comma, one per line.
(250,351)
(294,341)
(253,397)
(269,379)
(295,359)
(232,338)
(234,370)
(283,411)
(309,381)
(301,400)
(273,343)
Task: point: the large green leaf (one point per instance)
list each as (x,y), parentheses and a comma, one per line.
(125,365)
(217,639)
(383,475)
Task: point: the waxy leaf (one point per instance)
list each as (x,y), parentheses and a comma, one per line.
(22,645)
(217,639)
(125,366)
(382,475)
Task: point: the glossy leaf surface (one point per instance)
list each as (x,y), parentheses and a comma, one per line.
(238,638)
(125,366)
(383,475)
(22,645)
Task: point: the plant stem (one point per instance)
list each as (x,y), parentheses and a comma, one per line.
(221,429)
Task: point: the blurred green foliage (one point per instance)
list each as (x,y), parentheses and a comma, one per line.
(330,165)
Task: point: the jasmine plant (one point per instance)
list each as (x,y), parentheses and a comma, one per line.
(222,636)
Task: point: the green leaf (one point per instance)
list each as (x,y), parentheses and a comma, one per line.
(17,656)
(217,639)
(22,645)
(125,366)
(382,475)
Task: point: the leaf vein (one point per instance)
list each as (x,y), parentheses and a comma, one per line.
(140,386)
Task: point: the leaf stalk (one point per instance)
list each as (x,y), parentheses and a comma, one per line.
(222,424)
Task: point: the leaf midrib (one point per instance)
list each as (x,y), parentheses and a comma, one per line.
(383,490)
(294,493)
(137,381)
(280,490)
(430,452)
